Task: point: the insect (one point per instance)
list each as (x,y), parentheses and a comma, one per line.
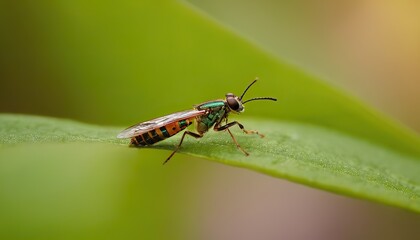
(205,115)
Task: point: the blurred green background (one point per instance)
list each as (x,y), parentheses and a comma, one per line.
(119,63)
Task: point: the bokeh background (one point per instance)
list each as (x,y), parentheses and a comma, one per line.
(112,63)
(370,48)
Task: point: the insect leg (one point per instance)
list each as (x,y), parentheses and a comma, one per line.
(196,135)
(217,127)
(228,125)
(237,144)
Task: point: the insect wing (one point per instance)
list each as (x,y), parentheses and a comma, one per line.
(144,127)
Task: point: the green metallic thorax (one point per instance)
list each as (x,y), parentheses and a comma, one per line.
(217,110)
(211,104)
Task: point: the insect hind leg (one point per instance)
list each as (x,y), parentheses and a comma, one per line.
(193,134)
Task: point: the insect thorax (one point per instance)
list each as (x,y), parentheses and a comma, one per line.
(206,121)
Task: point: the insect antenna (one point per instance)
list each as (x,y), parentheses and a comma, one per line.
(247,88)
(260,98)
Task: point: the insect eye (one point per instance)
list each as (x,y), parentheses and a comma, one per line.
(233,103)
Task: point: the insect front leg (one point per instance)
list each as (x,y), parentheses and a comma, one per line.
(228,125)
(196,135)
(217,127)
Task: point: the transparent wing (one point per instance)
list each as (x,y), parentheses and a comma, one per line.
(144,127)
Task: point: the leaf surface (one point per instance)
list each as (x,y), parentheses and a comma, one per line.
(304,153)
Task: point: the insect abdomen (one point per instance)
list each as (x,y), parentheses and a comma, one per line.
(162,133)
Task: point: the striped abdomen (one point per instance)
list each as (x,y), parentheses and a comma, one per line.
(159,134)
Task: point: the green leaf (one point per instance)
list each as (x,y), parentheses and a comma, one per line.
(304,153)
(117,64)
